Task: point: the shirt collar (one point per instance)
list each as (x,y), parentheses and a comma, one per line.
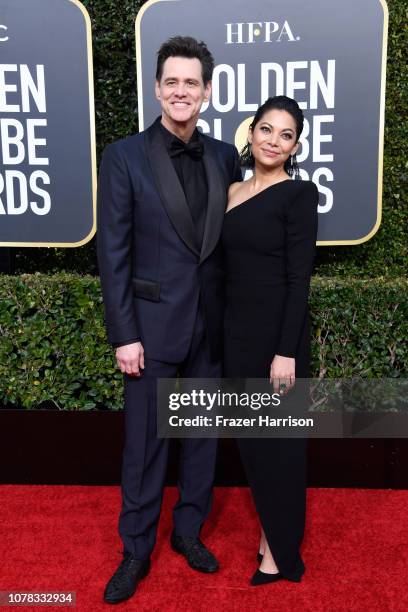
(169,137)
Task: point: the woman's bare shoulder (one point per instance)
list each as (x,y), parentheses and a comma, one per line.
(236,194)
(233,188)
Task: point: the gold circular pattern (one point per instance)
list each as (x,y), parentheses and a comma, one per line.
(241,133)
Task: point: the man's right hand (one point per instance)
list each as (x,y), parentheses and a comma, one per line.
(130,358)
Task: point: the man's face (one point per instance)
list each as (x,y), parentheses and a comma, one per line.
(181,91)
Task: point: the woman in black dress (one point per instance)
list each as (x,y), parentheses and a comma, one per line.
(269,238)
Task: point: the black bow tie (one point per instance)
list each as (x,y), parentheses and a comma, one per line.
(194,149)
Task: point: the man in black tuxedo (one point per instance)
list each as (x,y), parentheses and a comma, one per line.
(161,201)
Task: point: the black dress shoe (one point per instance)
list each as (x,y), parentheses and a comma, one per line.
(124,581)
(262,578)
(197,555)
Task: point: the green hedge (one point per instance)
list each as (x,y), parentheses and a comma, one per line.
(116,116)
(53,344)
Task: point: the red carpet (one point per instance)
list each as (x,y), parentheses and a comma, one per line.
(65,538)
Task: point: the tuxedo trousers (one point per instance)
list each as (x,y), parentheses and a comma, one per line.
(145,456)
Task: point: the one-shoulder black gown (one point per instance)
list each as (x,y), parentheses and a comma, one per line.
(269,244)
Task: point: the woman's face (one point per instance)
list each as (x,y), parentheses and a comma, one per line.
(273,139)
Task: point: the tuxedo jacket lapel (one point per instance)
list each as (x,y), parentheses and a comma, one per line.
(169,188)
(216,203)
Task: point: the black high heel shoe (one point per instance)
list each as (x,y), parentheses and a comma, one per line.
(260,578)
(259,557)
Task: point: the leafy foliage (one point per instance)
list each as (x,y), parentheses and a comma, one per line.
(54,347)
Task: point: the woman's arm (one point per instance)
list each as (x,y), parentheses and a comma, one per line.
(301,234)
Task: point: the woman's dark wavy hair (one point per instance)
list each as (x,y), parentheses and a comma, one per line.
(279,103)
(186,46)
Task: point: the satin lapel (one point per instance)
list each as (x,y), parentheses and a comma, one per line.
(169,188)
(217,200)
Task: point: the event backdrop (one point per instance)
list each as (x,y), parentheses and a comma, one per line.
(330,56)
(47,153)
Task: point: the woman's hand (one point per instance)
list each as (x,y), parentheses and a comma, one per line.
(282,374)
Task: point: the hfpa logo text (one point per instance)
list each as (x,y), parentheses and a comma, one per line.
(259,31)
